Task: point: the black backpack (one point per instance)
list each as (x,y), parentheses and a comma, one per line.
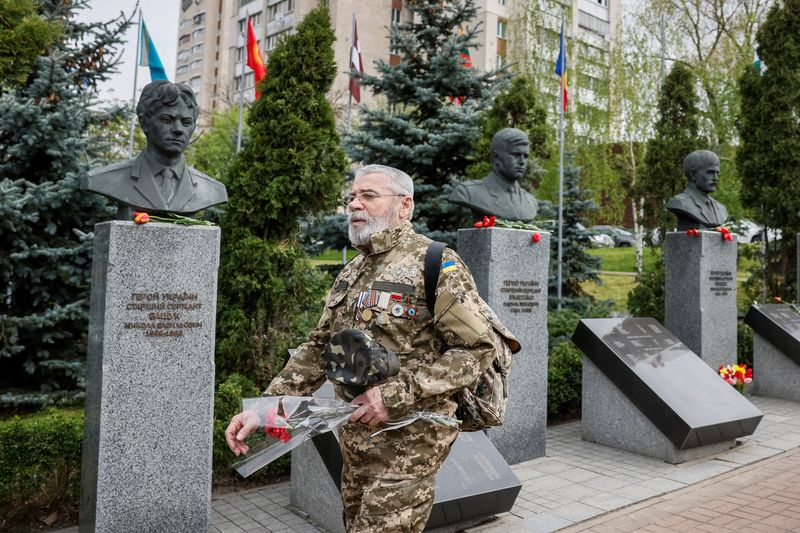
(483,404)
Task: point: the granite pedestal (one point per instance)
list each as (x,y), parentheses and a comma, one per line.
(645,392)
(473,484)
(150,379)
(700,294)
(776,350)
(511,273)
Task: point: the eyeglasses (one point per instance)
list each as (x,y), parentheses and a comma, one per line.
(366,197)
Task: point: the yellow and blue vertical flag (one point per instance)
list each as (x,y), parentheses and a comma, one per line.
(561,65)
(148,57)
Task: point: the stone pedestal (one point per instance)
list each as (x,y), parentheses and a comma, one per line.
(700,294)
(473,484)
(645,392)
(511,273)
(776,350)
(150,379)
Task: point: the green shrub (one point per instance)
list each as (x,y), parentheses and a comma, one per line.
(744,344)
(228,402)
(40,462)
(564,376)
(647,298)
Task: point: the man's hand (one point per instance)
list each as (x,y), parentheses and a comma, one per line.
(372,410)
(241,426)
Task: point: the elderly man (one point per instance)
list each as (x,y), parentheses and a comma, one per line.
(499,193)
(158,180)
(694,207)
(388,480)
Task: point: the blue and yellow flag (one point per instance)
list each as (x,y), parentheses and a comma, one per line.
(148,57)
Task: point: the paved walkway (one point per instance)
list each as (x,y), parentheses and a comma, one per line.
(580,487)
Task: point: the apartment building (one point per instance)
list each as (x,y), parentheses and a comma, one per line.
(524,32)
(211,42)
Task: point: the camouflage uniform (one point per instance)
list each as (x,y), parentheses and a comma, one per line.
(388,480)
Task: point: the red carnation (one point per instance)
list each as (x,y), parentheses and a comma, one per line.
(536,237)
(141,218)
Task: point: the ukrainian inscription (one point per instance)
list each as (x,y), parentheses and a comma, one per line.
(519,296)
(163,314)
(721,282)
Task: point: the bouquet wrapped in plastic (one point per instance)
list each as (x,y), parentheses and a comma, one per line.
(289,421)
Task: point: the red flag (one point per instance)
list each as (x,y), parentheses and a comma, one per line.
(355,64)
(466,62)
(254,60)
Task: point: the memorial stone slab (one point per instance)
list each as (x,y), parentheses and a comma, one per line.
(776,350)
(511,274)
(473,484)
(638,377)
(700,294)
(150,379)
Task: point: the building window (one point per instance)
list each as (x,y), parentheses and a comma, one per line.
(183,54)
(199,19)
(395,16)
(184,39)
(592,23)
(272,12)
(196,49)
(249,82)
(181,70)
(195,64)
(603,3)
(255,18)
(198,33)
(289,6)
(502,28)
(238,54)
(272,40)
(501,2)
(243,2)
(195,82)
(186,23)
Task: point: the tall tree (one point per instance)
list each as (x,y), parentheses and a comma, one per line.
(290,167)
(47,223)
(578,266)
(423,129)
(770,131)
(676,135)
(24,35)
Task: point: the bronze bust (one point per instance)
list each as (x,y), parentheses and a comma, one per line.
(694,207)
(158,180)
(499,193)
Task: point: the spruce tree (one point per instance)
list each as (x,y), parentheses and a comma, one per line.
(46,222)
(419,127)
(676,135)
(578,265)
(290,167)
(770,133)
(24,35)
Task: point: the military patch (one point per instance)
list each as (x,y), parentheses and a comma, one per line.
(398,310)
(449,266)
(411,312)
(341,286)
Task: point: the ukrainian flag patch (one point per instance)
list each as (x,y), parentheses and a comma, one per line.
(448,266)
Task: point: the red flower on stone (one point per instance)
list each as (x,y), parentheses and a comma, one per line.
(536,237)
(777,299)
(478,224)
(141,218)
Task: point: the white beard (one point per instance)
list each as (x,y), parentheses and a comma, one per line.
(359,237)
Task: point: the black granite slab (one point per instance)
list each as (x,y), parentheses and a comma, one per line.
(679,393)
(779,324)
(474,482)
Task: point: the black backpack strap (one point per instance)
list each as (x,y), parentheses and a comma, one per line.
(433,264)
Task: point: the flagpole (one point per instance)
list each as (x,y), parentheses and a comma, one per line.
(350,105)
(135,80)
(241,83)
(561,173)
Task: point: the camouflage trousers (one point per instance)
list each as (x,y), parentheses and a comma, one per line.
(388,480)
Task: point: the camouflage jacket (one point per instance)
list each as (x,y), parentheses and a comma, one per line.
(382,292)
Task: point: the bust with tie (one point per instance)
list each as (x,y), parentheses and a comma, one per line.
(694,207)
(499,193)
(158,180)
